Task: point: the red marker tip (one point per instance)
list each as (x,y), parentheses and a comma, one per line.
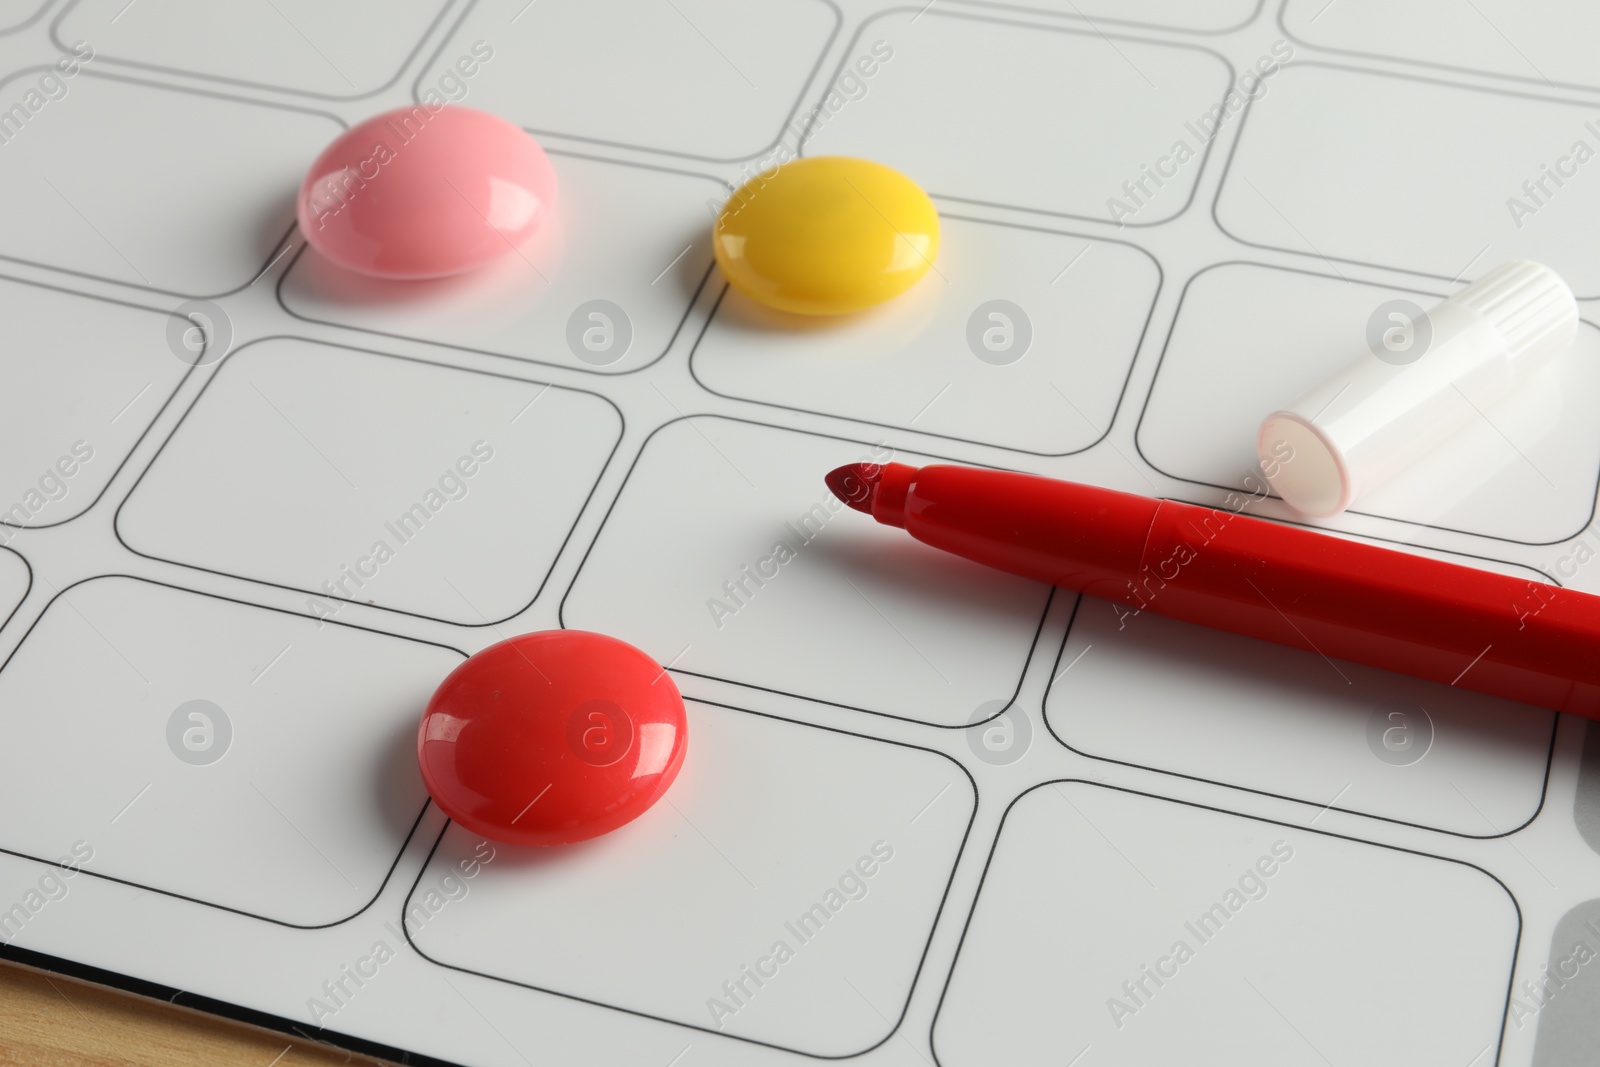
(855,483)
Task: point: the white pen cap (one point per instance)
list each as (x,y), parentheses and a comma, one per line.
(1421,381)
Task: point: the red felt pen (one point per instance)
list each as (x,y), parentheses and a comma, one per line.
(1508,637)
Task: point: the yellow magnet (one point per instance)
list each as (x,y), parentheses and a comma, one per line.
(826,235)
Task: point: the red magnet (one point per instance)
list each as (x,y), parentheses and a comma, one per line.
(552,737)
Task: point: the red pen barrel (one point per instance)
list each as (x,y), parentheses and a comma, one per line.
(1509,637)
(1056,532)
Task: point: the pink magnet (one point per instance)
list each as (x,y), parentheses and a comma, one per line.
(423,193)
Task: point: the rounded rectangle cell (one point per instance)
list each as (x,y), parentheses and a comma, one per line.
(726,556)
(1549,43)
(16,579)
(1218,17)
(1466,187)
(245,758)
(1019,337)
(766,896)
(1248,339)
(20,13)
(1137,688)
(1566,1003)
(706,79)
(1155,931)
(203,190)
(354,476)
(604,285)
(971,71)
(349,49)
(87,378)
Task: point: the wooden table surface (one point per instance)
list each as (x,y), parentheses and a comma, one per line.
(50,1021)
